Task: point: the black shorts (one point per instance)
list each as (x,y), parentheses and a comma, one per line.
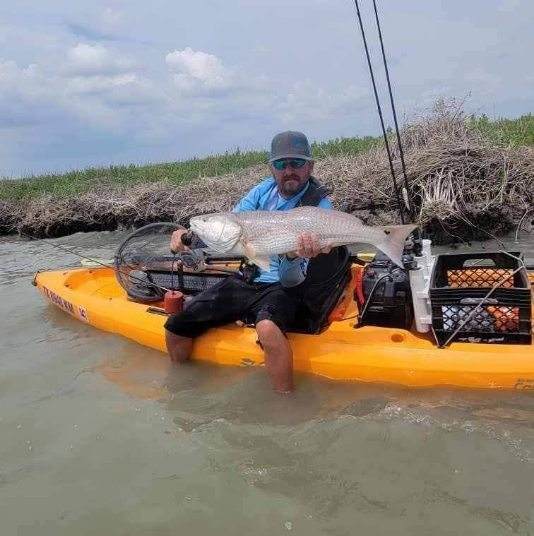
(234,299)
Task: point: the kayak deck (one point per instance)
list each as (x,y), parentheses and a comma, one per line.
(341,352)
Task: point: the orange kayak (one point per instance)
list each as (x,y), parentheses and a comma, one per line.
(341,352)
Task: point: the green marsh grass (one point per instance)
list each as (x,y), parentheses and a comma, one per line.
(79,181)
(514,132)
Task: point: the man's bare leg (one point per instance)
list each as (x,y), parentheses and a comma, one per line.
(278,355)
(179,347)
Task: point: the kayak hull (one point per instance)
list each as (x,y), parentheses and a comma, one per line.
(341,352)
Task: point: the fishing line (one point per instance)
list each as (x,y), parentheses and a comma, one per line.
(379,108)
(375,286)
(470,223)
(518,229)
(368,301)
(148,284)
(67,250)
(499,241)
(450,233)
(173,268)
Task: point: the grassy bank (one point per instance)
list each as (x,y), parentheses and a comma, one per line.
(78,182)
(469,176)
(510,132)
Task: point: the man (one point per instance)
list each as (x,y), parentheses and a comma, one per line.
(263,298)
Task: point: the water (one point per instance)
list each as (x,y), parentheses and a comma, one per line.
(101,436)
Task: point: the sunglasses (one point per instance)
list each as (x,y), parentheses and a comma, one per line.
(294,163)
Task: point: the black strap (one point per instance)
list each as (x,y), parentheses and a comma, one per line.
(313,195)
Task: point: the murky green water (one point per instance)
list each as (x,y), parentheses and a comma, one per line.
(99,436)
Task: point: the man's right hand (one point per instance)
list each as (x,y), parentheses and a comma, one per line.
(176,241)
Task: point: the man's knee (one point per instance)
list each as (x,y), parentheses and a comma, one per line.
(179,347)
(269,334)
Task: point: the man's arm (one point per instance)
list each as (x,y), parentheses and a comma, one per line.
(251,200)
(294,266)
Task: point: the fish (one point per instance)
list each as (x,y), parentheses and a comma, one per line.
(260,234)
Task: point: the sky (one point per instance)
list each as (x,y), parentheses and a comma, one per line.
(106,82)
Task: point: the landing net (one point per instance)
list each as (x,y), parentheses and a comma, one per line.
(146,268)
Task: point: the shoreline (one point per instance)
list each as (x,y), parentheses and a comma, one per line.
(470,178)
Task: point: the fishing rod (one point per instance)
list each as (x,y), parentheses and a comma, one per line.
(406,189)
(379,108)
(68,250)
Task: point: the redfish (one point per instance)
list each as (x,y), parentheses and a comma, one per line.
(260,234)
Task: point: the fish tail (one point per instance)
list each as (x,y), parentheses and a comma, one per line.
(393,245)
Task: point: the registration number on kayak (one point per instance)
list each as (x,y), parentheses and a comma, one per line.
(77,311)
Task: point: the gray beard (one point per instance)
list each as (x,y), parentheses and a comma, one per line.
(291,192)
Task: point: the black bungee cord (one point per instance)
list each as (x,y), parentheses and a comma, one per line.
(379,108)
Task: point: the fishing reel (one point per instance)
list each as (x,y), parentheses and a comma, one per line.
(413,248)
(193,260)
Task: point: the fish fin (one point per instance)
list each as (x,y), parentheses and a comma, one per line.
(393,244)
(262,261)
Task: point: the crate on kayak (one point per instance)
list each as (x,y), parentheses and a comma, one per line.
(461,300)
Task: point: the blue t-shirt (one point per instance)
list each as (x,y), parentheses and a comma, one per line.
(265,196)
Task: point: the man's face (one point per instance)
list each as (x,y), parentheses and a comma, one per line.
(291,179)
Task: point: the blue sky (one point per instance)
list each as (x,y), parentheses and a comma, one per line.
(100,82)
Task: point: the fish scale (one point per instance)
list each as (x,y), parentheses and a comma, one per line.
(277,232)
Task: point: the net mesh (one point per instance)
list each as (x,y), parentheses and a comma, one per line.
(145,250)
(190,283)
(146,268)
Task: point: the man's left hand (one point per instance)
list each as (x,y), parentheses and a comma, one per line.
(309,247)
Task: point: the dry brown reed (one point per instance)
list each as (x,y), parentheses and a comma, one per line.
(463,185)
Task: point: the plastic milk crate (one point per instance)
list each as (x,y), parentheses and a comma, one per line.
(460,283)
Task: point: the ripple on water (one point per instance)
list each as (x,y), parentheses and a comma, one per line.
(204,442)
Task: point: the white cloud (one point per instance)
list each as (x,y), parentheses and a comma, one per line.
(100,83)
(307,102)
(111,18)
(107,76)
(11,73)
(89,91)
(24,93)
(84,59)
(197,71)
